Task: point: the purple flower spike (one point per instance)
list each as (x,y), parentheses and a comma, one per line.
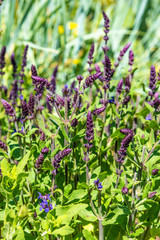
(45,150)
(39,162)
(53,80)
(124,190)
(106,28)
(155,171)
(124,144)
(34,71)
(58,157)
(152,83)
(24,109)
(14,92)
(3,146)
(99,110)
(31,104)
(14,64)
(131,57)
(65,90)
(79,78)
(152,194)
(2,60)
(90,57)
(121,54)
(119,86)
(89,80)
(126,131)
(74,122)
(90,131)
(9,109)
(126,100)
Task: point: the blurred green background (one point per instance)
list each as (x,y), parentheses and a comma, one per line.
(61,32)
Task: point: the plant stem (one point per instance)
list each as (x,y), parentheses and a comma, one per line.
(101,232)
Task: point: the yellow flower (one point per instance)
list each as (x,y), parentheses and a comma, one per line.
(72,25)
(60,29)
(76,61)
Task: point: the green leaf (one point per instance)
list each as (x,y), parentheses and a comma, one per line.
(155,232)
(70,210)
(56,120)
(2,215)
(79,135)
(88,235)
(22,163)
(77,195)
(19,234)
(63,231)
(146,190)
(87,215)
(149,107)
(47,165)
(42,126)
(55,151)
(67,190)
(64,132)
(33,130)
(5,167)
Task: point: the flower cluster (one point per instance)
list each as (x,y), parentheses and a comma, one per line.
(90,131)
(90,57)
(152,81)
(98,184)
(45,202)
(124,144)
(9,109)
(2,60)
(3,146)
(124,190)
(40,159)
(57,159)
(106,30)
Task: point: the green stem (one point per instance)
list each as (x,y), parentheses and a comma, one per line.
(101,231)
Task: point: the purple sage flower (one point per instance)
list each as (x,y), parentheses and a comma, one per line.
(3,146)
(155,171)
(106,29)
(119,86)
(53,80)
(2,59)
(99,110)
(74,122)
(14,64)
(148,117)
(9,109)
(30,105)
(45,150)
(90,57)
(124,190)
(58,157)
(98,184)
(89,80)
(152,194)
(152,81)
(25,111)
